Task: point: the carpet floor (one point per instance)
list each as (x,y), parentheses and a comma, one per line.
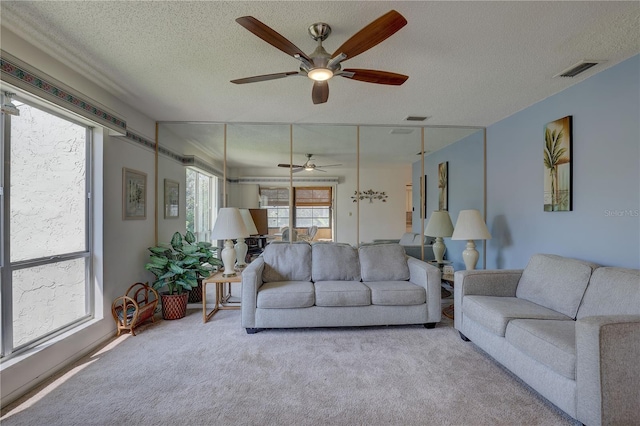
(188,373)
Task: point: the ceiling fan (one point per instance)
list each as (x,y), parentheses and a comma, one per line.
(309,166)
(320,65)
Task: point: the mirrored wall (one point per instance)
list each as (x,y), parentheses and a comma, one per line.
(344,183)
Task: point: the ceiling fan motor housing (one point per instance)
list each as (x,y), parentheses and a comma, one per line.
(319,31)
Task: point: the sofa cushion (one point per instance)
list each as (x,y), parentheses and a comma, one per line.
(334,262)
(286,294)
(383,262)
(550,342)
(342,293)
(287,262)
(555,282)
(612,291)
(396,293)
(494,313)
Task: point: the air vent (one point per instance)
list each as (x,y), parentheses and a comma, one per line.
(401,131)
(578,68)
(416,118)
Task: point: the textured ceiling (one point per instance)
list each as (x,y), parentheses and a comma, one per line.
(469,63)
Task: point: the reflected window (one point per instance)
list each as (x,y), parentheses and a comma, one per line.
(276,201)
(312,207)
(201,203)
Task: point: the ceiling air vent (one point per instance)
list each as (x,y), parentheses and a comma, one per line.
(578,68)
(416,118)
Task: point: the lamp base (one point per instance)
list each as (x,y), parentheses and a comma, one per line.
(439,249)
(228,256)
(241,253)
(470,255)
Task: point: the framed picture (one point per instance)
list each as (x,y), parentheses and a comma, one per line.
(443,186)
(558,192)
(134,194)
(423,187)
(171,199)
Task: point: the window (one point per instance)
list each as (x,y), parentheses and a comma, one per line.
(313,207)
(46,258)
(201,198)
(276,201)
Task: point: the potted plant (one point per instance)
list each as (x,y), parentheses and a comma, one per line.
(208,262)
(178,267)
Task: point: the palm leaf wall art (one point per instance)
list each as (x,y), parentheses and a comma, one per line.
(557,163)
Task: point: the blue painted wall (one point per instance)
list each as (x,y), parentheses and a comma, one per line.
(466,187)
(604,226)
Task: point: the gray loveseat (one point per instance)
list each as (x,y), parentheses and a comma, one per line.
(334,284)
(568,328)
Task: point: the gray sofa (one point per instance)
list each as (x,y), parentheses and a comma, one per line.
(334,284)
(568,328)
(412,244)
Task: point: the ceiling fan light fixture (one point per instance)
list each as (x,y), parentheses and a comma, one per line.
(320,74)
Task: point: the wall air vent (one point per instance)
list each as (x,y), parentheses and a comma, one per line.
(401,131)
(416,118)
(578,68)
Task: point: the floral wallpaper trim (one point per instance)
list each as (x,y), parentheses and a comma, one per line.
(12,70)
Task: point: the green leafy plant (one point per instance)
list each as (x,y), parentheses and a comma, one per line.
(553,157)
(179,265)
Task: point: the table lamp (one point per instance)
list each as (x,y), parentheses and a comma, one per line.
(229,225)
(470,226)
(241,245)
(439,226)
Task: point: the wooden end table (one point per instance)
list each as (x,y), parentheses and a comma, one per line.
(221,301)
(448,311)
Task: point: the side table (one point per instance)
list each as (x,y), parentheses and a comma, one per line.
(448,279)
(221,297)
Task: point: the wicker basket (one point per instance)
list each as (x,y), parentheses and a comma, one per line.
(174,306)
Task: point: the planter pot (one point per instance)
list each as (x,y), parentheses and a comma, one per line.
(174,306)
(195,295)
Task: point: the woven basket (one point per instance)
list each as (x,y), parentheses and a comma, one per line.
(195,294)
(174,306)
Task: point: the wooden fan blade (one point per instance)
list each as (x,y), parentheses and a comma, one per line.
(374,33)
(290,165)
(264,77)
(271,36)
(320,92)
(375,76)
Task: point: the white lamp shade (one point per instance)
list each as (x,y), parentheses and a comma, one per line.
(229,225)
(470,226)
(248,221)
(439,224)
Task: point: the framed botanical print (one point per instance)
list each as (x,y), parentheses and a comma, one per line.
(558,173)
(171,199)
(443,186)
(134,194)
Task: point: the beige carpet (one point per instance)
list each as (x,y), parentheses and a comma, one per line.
(188,373)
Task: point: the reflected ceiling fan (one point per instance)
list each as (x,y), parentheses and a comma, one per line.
(309,165)
(320,65)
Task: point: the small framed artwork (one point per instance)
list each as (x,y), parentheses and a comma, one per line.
(134,194)
(171,199)
(558,191)
(443,186)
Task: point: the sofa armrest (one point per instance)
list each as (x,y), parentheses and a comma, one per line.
(251,282)
(607,373)
(427,276)
(482,282)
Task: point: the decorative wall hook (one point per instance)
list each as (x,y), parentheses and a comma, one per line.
(369,195)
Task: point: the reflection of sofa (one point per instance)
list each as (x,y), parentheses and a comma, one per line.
(335,284)
(569,329)
(412,243)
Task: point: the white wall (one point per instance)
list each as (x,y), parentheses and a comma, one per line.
(120,252)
